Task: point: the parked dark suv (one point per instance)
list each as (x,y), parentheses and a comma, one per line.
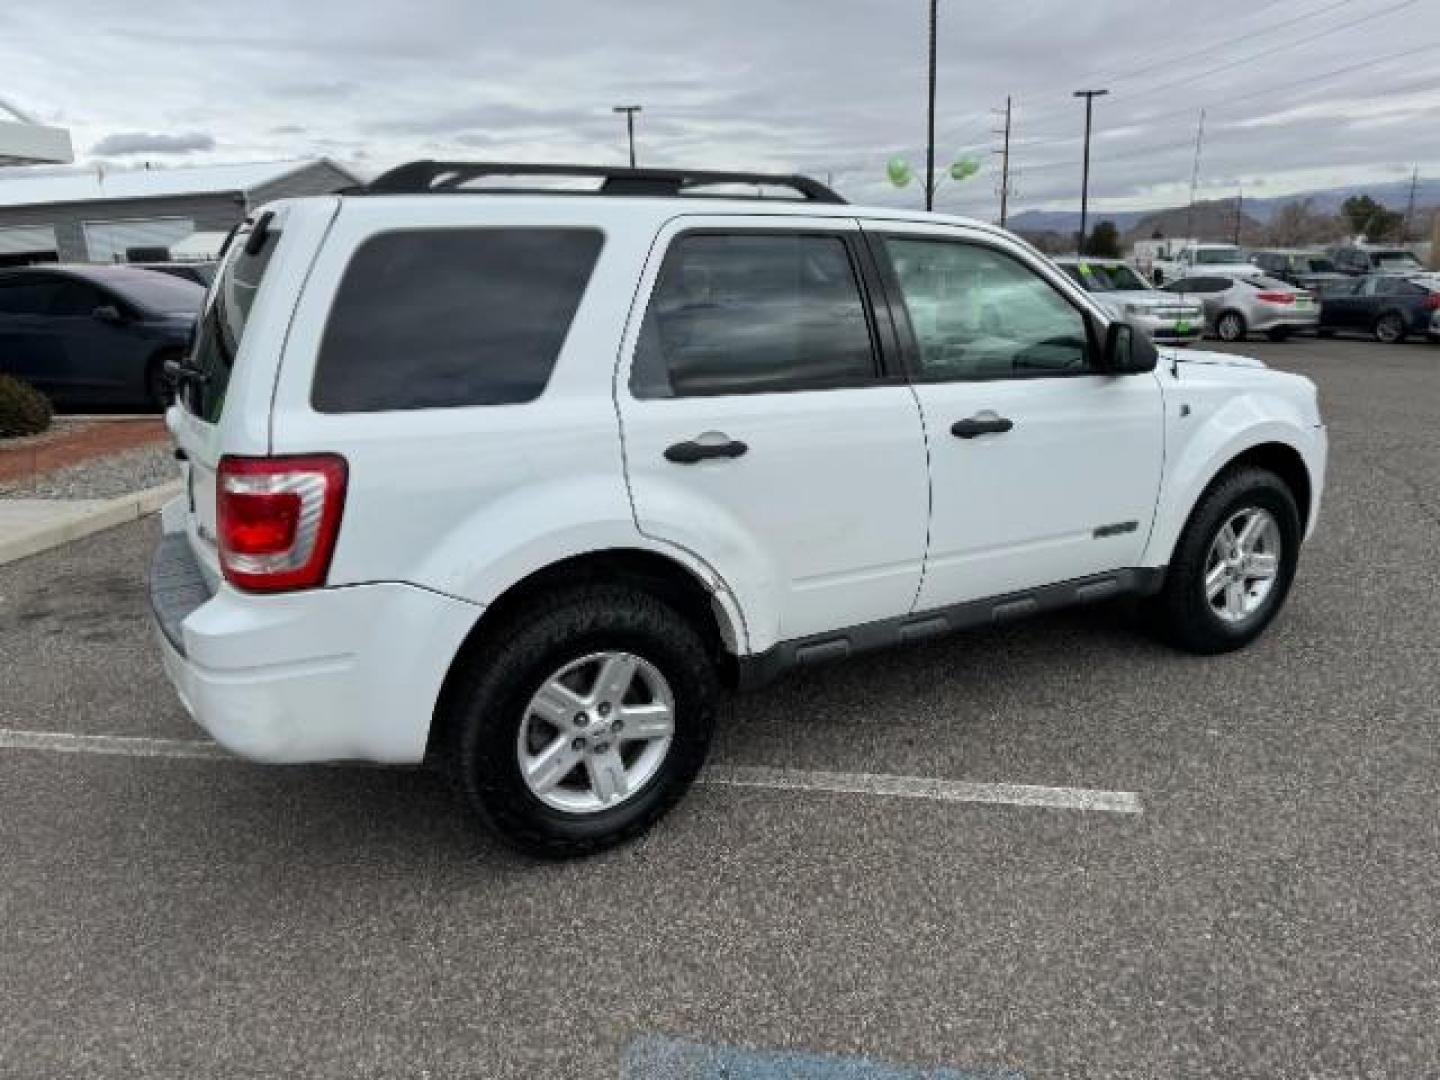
(1356,259)
(95,335)
(1309,269)
(1389,307)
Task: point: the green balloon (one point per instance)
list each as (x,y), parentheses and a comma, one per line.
(964,168)
(899,171)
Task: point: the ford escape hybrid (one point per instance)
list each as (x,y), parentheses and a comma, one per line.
(525,480)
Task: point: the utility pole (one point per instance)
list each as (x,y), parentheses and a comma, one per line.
(1005,166)
(930,122)
(1089,96)
(1195,178)
(1410,206)
(629,111)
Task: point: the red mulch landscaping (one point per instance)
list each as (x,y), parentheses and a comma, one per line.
(72,442)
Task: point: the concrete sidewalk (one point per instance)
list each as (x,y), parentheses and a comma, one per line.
(30,526)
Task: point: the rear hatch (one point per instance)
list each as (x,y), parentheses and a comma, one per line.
(227,380)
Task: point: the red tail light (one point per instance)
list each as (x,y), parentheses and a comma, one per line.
(1432,302)
(277,519)
(1275,297)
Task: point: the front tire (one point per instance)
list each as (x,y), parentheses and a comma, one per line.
(578,724)
(1230,327)
(1233,565)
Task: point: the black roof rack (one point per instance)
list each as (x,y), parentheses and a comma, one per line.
(450,177)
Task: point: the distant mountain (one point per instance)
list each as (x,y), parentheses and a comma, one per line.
(1393,195)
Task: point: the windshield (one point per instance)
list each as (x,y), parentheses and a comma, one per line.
(1217,255)
(1397,260)
(1317,265)
(1100,278)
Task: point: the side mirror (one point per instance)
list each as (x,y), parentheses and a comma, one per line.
(1127,351)
(107,313)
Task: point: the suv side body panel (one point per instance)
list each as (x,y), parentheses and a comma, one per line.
(822,521)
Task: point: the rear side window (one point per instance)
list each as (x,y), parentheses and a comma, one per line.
(445,318)
(217,339)
(750,313)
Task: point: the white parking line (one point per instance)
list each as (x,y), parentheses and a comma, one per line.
(743,776)
(921,787)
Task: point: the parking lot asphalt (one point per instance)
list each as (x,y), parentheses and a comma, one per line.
(1274,911)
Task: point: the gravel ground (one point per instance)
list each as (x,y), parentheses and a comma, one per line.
(101,478)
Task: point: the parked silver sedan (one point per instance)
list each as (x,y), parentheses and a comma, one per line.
(1235,307)
(1121,290)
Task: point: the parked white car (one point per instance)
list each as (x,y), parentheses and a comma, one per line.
(1120,289)
(1203,259)
(525,482)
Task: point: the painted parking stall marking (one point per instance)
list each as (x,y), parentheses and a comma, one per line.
(877,785)
(655,1057)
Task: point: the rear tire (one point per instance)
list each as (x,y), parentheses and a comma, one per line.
(490,717)
(1230,326)
(1390,328)
(1185,613)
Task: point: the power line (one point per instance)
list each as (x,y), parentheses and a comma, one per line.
(1288,44)
(1263,91)
(1192,54)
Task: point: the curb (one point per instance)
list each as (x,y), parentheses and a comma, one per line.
(105,515)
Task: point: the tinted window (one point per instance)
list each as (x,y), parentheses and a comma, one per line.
(164,293)
(440,318)
(979,313)
(1201,285)
(74,299)
(1400,287)
(22,298)
(1260,281)
(222,326)
(746,314)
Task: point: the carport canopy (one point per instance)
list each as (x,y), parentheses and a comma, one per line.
(24,142)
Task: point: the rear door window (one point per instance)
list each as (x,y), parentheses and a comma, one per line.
(222,327)
(448,318)
(754,313)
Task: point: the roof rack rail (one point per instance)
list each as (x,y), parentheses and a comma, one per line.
(450,177)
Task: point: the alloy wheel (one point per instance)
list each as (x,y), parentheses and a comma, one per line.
(1243,564)
(596,732)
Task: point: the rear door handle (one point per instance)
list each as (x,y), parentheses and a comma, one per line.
(712,444)
(968,429)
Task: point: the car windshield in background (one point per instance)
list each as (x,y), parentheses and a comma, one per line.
(1217,256)
(1315,265)
(1101,278)
(158,292)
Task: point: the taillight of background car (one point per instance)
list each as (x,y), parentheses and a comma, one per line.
(277,519)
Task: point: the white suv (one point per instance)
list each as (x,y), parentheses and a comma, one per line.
(524,481)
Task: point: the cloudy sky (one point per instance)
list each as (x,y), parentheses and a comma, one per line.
(1299,93)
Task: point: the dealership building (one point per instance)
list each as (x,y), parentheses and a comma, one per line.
(103,215)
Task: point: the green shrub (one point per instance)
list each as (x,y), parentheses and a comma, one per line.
(23,409)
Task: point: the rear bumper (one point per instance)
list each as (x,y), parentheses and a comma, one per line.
(329,674)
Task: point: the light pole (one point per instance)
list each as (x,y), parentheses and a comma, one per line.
(930,118)
(1089,96)
(629,111)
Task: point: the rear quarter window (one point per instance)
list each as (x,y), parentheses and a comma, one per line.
(447,318)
